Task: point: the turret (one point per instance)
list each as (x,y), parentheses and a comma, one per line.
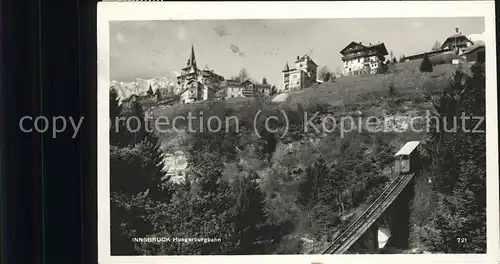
(286,67)
(192,59)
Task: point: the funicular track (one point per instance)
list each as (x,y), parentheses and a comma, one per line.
(356,229)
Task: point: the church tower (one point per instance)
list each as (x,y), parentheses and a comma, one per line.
(191,63)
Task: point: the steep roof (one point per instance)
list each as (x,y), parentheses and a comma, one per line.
(379,46)
(192,58)
(191,63)
(359,46)
(247,81)
(230,82)
(262,85)
(306,57)
(408,148)
(287,68)
(457,36)
(353,45)
(472,48)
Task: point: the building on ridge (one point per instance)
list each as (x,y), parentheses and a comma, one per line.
(457,42)
(233,88)
(303,75)
(195,90)
(363,59)
(475,53)
(194,84)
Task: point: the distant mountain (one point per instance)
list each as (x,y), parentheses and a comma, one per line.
(140,86)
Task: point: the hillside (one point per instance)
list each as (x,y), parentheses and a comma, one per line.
(306,183)
(369,93)
(296,151)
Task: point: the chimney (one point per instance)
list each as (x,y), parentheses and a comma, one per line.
(298,57)
(369,43)
(456,29)
(361,43)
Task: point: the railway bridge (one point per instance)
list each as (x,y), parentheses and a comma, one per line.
(389,213)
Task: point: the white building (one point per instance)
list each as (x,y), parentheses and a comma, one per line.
(303,75)
(363,59)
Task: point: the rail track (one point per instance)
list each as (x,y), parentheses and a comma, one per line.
(355,230)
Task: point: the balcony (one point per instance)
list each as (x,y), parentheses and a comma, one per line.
(247,92)
(355,55)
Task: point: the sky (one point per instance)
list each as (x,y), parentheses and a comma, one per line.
(146,49)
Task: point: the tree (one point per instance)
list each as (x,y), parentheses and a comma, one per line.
(274,90)
(391,89)
(311,185)
(426,65)
(235,78)
(249,216)
(137,182)
(115,111)
(135,124)
(436,46)
(158,95)
(150,91)
(264,80)
(243,75)
(402,58)
(459,168)
(134,169)
(139,153)
(325,74)
(202,208)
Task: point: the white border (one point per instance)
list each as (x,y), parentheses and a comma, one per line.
(108,11)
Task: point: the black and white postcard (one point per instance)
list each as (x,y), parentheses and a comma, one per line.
(304,132)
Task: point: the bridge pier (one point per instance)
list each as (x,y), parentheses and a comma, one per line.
(368,242)
(399,220)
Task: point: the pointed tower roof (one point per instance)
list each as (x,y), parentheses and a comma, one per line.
(286,67)
(192,58)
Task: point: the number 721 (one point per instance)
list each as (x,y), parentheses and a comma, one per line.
(461,239)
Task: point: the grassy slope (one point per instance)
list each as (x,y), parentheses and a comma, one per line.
(361,89)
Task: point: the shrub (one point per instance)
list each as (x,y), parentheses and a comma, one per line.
(391,89)
(426,65)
